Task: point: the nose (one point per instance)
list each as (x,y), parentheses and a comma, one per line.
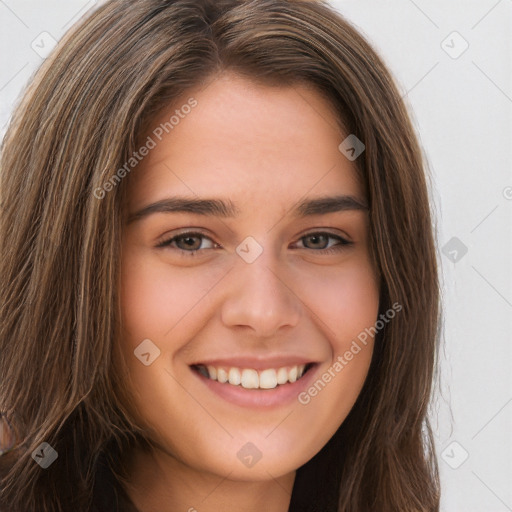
(258,297)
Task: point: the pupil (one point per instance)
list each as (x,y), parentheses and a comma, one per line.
(190,241)
(316,239)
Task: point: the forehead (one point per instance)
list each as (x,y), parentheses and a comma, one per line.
(246,141)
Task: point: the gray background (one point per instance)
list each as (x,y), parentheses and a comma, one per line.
(461,103)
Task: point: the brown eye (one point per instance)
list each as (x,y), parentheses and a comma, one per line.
(317,241)
(189,243)
(322,242)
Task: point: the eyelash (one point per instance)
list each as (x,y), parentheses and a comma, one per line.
(343,243)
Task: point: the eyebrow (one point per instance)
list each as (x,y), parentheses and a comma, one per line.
(225,209)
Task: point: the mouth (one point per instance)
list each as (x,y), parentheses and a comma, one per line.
(252,379)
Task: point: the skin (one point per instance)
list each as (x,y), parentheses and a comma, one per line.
(265,149)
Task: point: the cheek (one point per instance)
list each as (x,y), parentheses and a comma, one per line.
(156,298)
(345,299)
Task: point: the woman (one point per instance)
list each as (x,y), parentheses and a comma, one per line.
(220,283)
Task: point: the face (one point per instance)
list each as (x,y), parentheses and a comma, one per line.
(245,280)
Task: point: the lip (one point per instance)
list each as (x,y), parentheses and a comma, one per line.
(258,364)
(259,398)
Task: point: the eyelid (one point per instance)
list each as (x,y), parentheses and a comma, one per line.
(344,242)
(165,240)
(327,231)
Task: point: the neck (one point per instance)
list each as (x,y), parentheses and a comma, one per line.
(158,481)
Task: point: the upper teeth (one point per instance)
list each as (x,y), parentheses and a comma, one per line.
(252,379)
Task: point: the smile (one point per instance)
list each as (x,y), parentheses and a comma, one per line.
(249,378)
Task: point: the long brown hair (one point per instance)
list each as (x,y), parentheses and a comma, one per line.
(77,123)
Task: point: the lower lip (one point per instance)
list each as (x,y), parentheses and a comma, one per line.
(255,398)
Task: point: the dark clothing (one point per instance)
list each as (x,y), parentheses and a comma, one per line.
(108,494)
